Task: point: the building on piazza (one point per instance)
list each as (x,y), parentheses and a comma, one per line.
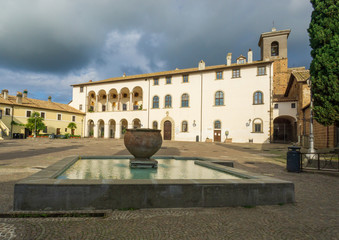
(16,109)
(240,101)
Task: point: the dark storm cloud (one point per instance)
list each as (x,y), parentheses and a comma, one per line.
(58,43)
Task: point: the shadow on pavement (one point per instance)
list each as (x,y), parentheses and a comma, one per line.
(35,152)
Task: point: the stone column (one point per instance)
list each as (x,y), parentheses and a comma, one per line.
(95,131)
(130,101)
(96,104)
(107,102)
(106,132)
(119,102)
(117,131)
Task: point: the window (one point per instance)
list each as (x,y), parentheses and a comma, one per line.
(261,71)
(168,101)
(80,107)
(0,114)
(7,111)
(292,105)
(275,49)
(184,100)
(217,124)
(258,98)
(155,102)
(59,116)
(168,80)
(58,131)
(103,108)
(219,98)
(155,125)
(185,78)
(45,129)
(241,61)
(156,81)
(184,127)
(73,118)
(65,129)
(236,73)
(28,114)
(257,125)
(81,89)
(219,75)
(42,114)
(276,106)
(124,107)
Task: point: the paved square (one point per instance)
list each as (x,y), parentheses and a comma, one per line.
(315,215)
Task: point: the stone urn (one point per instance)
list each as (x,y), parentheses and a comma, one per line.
(143,143)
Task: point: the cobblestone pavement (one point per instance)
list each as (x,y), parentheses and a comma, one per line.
(314,215)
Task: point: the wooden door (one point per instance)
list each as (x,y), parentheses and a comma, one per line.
(167,130)
(217,135)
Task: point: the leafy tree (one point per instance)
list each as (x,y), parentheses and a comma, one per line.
(35,120)
(324,41)
(72,126)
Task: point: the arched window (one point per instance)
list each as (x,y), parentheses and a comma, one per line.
(217,124)
(258,98)
(168,101)
(155,102)
(184,100)
(275,49)
(219,98)
(184,126)
(257,126)
(155,125)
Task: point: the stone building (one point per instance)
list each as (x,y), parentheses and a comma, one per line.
(15,110)
(239,101)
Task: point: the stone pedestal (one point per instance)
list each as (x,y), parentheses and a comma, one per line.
(143,163)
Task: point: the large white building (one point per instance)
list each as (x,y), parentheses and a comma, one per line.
(234,100)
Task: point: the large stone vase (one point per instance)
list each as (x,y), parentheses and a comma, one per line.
(142,143)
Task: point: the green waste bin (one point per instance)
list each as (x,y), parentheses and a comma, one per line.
(293,159)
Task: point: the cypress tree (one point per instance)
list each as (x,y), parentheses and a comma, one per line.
(324,41)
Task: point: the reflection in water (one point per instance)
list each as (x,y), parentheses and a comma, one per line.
(119,169)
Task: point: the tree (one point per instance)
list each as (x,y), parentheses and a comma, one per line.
(324,41)
(72,126)
(35,122)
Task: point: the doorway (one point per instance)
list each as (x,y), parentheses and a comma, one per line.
(167,130)
(217,136)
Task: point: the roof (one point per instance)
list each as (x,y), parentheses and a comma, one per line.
(35,103)
(300,75)
(167,73)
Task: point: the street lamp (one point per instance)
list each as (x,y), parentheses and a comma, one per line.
(311,137)
(35,126)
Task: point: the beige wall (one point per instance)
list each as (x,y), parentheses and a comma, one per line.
(51,120)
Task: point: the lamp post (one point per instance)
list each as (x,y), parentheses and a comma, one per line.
(311,137)
(35,126)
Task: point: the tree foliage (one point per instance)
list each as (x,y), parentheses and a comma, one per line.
(324,41)
(72,125)
(35,119)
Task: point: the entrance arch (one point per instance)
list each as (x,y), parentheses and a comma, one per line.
(136,123)
(112,125)
(124,126)
(101,128)
(285,129)
(90,127)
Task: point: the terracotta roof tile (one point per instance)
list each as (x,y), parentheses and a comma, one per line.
(35,103)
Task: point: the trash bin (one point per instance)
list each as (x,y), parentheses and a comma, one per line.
(197,138)
(52,136)
(293,159)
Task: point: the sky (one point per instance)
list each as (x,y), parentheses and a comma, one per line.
(48,45)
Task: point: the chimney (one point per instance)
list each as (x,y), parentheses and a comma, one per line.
(229,59)
(250,56)
(124,75)
(5,94)
(50,99)
(25,93)
(201,65)
(19,97)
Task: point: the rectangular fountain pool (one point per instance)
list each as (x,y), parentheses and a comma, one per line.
(119,169)
(50,189)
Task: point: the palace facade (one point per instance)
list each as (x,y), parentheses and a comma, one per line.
(240,101)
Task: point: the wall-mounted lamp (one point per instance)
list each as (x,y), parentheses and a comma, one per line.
(194,124)
(248,123)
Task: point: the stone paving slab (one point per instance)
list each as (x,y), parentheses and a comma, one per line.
(315,215)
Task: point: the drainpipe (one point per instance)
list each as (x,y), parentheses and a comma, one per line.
(271,103)
(202,78)
(12,121)
(311,138)
(149,99)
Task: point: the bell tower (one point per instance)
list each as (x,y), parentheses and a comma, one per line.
(273,44)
